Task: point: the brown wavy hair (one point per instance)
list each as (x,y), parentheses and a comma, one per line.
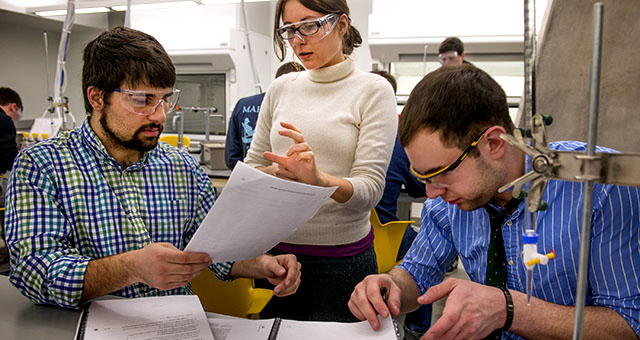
(350,40)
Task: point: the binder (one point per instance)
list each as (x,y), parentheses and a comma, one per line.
(82,322)
(273,334)
(178,316)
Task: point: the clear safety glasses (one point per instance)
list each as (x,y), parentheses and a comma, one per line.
(447,57)
(428,178)
(146,103)
(309,30)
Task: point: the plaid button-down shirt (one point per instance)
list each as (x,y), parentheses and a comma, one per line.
(69,202)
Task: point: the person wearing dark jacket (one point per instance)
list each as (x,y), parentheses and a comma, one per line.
(10,111)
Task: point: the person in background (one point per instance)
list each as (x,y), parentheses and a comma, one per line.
(243,120)
(399,176)
(10,111)
(105,208)
(451,52)
(332,125)
(450,128)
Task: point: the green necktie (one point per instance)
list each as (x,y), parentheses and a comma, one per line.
(496,258)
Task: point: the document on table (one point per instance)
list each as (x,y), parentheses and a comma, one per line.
(283,329)
(255,212)
(160,317)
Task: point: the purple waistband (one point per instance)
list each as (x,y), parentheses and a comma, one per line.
(341,250)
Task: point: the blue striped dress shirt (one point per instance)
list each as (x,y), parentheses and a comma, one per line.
(614,257)
(69,202)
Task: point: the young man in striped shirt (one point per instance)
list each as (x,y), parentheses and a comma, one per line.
(105,209)
(461,108)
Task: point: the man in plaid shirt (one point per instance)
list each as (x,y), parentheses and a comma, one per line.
(105,209)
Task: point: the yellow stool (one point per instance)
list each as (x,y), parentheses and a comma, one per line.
(236,298)
(387,240)
(173,140)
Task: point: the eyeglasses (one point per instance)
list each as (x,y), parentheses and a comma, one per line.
(309,28)
(447,57)
(427,178)
(146,103)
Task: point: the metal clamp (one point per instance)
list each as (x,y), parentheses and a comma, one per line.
(591,168)
(543,164)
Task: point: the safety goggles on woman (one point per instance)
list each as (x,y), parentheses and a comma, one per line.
(309,30)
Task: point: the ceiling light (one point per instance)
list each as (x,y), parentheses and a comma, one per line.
(77,11)
(91,10)
(52,13)
(157,5)
(219,2)
(222,2)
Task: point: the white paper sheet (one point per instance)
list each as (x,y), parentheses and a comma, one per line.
(240,329)
(255,212)
(244,329)
(165,317)
(315,330)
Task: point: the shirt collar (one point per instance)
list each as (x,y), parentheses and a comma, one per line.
(511,206)
(94,144)
(332,73)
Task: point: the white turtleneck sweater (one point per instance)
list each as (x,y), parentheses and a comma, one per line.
(348,117)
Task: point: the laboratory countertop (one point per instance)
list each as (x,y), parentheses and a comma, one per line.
(216,173)
(21,319)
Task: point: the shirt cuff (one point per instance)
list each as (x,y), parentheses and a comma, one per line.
(222,270)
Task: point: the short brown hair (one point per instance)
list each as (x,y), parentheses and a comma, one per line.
(459,102)
(125,56)
(9,96)
(289,67)
(451,44)
(350,40)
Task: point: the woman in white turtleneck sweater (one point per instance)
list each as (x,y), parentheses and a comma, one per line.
(332,125)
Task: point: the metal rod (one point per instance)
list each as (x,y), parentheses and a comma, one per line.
(180,116)
(254,70)
(61,74)
(424,60)
(46,61)
(529,81)
(529,62)
(207,119)
(585,240)
(207,125)
(127,15)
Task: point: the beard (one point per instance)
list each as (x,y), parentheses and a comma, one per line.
(490,180)
(137,141)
